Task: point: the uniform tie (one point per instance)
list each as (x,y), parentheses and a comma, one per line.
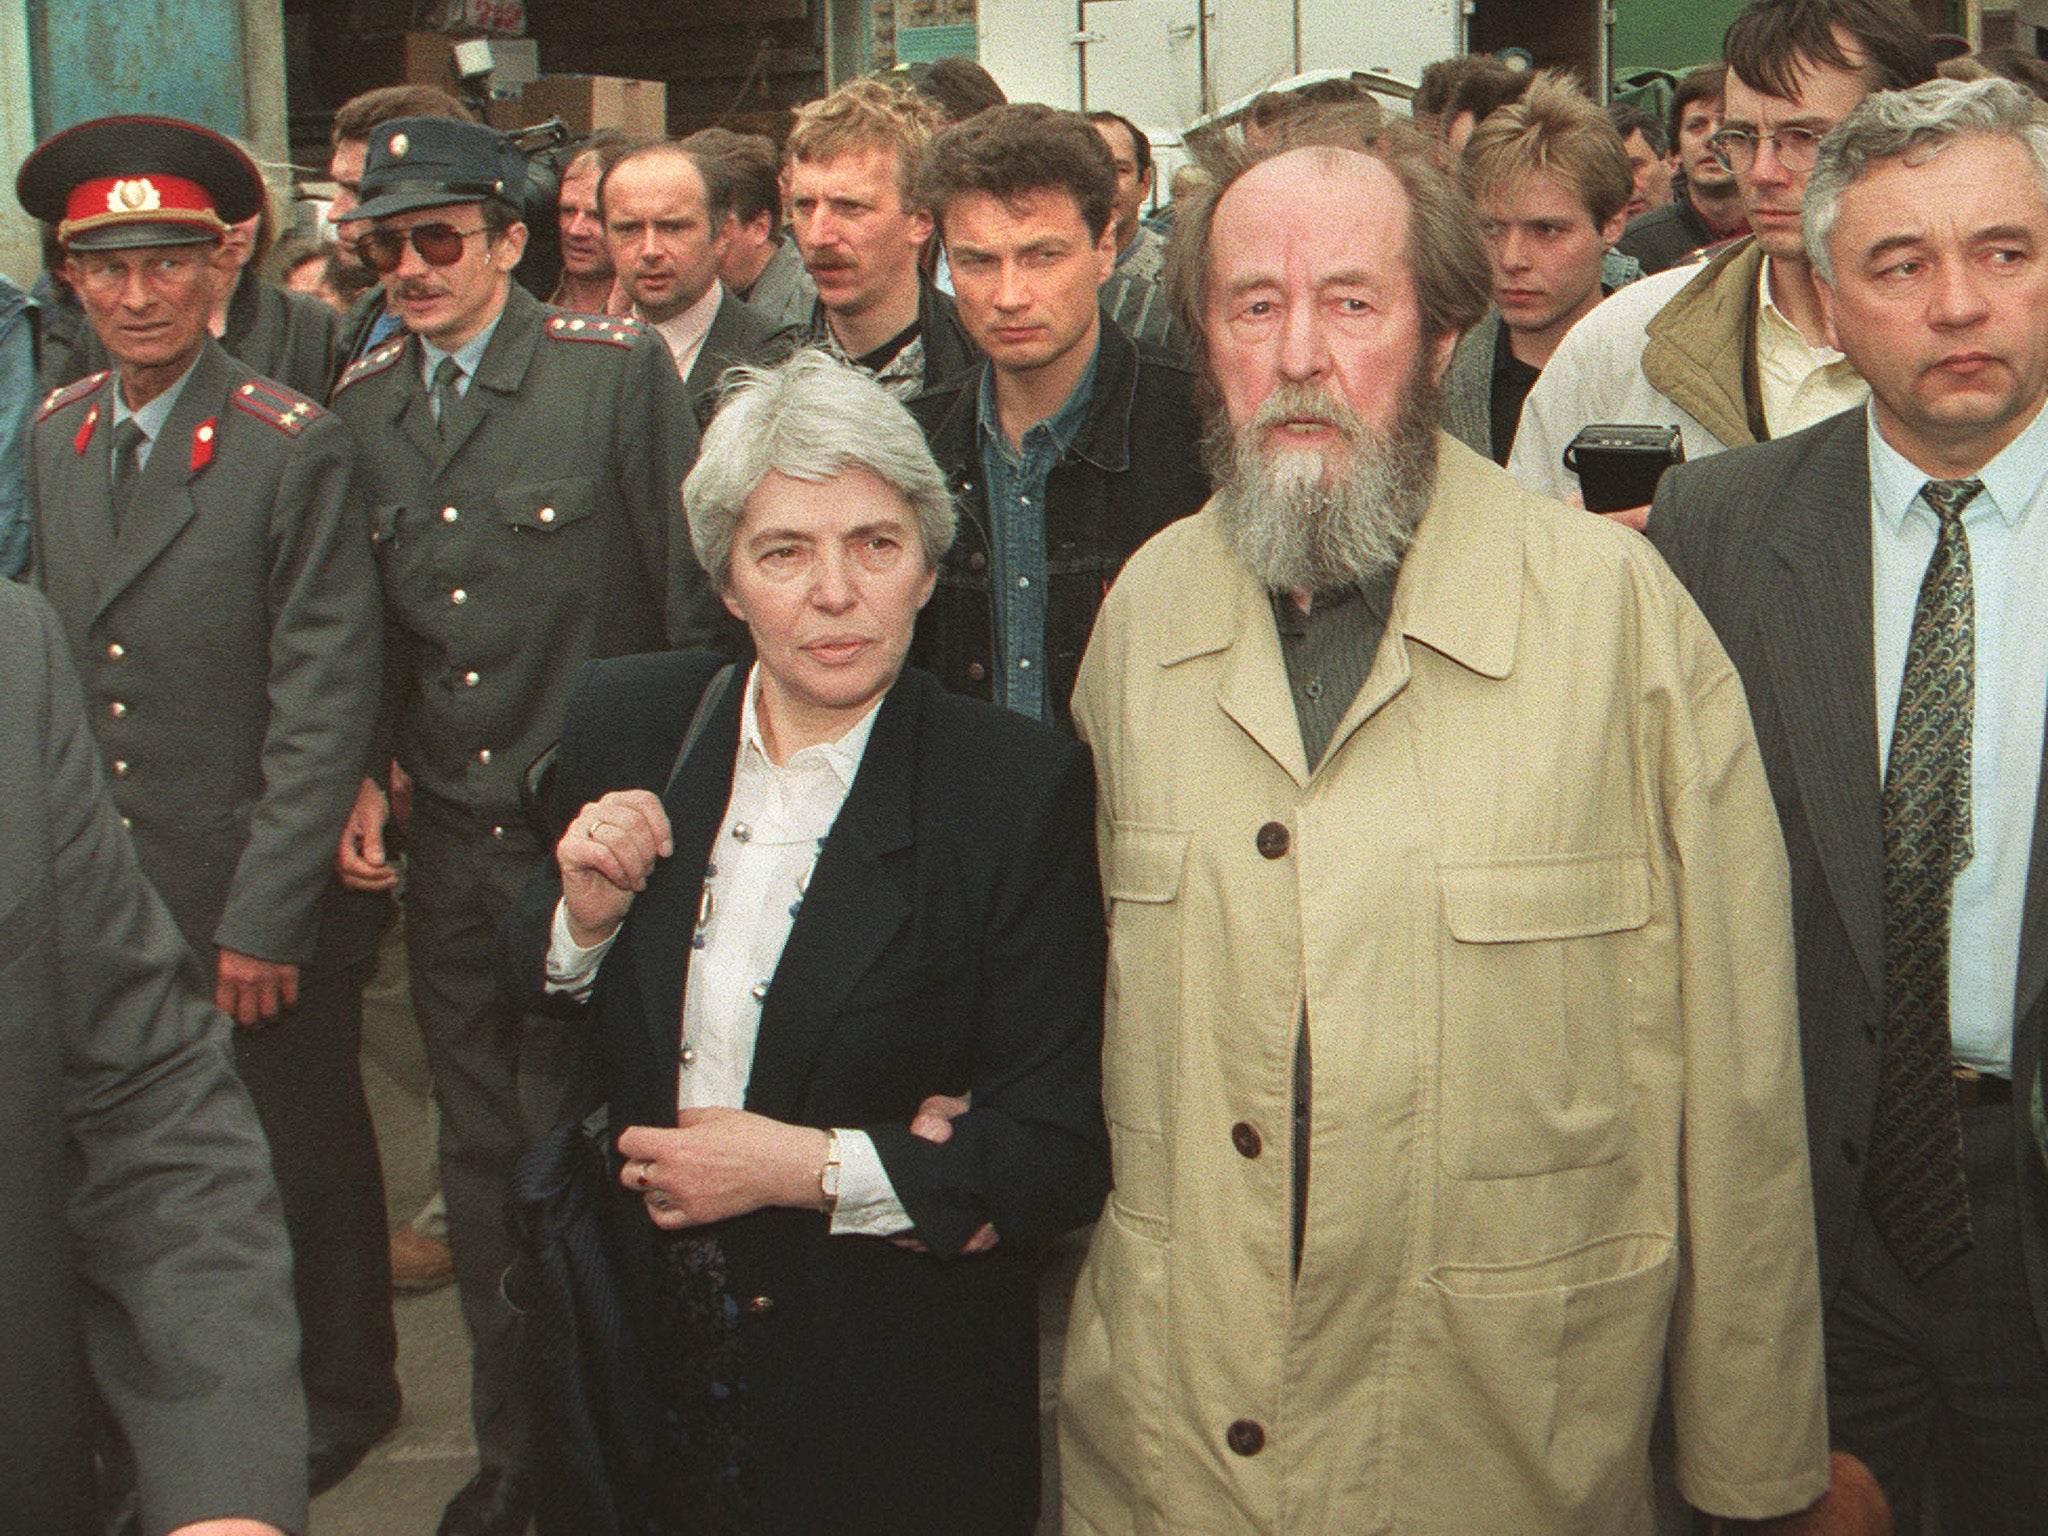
(447,374)
(1916,1190)
(128,437)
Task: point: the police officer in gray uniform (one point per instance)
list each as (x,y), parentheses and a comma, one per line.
(522,467)
(197,536)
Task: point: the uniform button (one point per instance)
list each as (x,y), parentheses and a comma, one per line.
(1850,1153)
(759,989)
(483,754)
(116,651)
(977,561)
(117,709)
(689,1055)
(976,671)
(470,679)
(760,1306)
(1023,663)
(449,514)
(458,596)
(1246,1139)
(120,767)
(1272,840)
(1245,1437)
(126,822)
(547,514)
(498,833)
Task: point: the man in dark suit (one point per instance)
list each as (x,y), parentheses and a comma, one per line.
(141,1255)
(1877,580)
(200,543)
(666,211)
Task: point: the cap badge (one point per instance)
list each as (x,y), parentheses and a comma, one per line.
(137,196)
(399,145)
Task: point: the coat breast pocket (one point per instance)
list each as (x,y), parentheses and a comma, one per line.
(1541,967)
(546,507)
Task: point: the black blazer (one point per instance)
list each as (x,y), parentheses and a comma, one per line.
(951,940)
(1774,544)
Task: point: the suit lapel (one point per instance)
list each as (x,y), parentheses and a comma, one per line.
(413,413)
(665,914)
(500,371)
(1822,656)
(715,356)
(851,911)
(163,503)
(87,505)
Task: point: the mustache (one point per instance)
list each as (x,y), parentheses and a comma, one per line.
(1302,403)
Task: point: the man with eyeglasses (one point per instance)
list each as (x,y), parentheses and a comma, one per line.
(1736,352)
(522,467)
(197,534)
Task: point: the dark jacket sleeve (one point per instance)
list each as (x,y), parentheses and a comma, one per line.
(189,1320)
(1031,1155)
(325,689)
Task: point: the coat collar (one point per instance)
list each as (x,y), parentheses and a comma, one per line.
(854,905)
(163,502)
(1459,593)
(1697,346)
(1104,437)
(500,371)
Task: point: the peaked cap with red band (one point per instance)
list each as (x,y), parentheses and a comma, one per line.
(119,182)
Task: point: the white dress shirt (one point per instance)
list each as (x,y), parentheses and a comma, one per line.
(1801,385)
(2008,533)
(685,333)
(775,824)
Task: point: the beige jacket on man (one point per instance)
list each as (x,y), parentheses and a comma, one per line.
(1535,901)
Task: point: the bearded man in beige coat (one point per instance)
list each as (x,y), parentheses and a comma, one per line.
(1451,1065)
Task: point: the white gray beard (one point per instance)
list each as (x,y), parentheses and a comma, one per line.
(1298,529)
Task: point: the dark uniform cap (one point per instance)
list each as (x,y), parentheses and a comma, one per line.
(119,182)
(431,162)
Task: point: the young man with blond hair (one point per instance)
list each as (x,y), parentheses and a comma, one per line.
(1550,181)
(851,160)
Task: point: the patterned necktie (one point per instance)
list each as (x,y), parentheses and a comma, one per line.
(128,437)
(447,373)
(1916,1189)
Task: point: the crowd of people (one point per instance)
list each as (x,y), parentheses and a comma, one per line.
(928,697)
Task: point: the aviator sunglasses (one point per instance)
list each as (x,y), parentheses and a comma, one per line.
(439,245)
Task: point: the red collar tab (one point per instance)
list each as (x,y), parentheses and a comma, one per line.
(92,419)
(202,443)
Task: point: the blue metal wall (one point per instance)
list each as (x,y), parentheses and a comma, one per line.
(177,58)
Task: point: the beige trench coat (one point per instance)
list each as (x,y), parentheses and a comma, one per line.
(1535,900)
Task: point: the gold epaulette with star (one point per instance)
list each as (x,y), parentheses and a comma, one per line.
(618,330)
(376,360)
(71,393)
(285,409)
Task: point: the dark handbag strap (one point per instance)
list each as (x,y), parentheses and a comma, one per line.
(708,701)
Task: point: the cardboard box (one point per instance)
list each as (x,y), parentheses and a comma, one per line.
(428,59)
(587,103)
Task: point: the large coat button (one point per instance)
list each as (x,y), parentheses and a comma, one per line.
(976,671)
(1245,1437)
(977,561)
(760,1306)
(1245,1138)
(1272,840)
